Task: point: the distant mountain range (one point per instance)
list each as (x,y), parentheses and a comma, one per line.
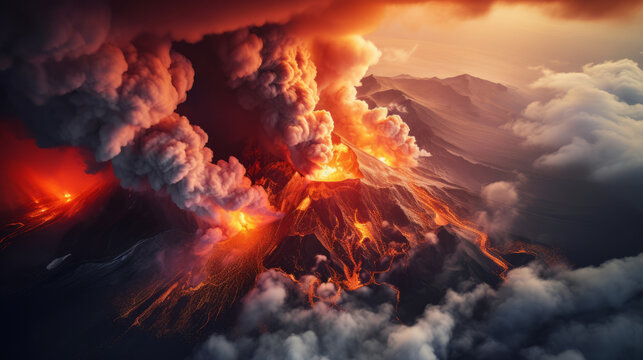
(454,119)
(465,123)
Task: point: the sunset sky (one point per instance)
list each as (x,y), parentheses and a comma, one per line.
(506,45)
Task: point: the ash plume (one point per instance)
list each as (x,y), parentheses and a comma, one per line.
(302,106)
(105,76)
(276,74)
(74,84)
(101,74)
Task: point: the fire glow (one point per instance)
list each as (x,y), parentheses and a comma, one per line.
(342,166)
(347,217)
(349,221)
(44,186)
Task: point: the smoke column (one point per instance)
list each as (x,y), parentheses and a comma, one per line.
(278,76)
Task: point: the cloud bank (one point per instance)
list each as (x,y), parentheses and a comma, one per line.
(587,313)
(593,122)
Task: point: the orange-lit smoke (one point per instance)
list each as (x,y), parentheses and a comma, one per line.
(341,63)
(306,89)
(342,166)
(95,81)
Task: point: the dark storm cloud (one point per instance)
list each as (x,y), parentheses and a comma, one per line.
(593,122)
(588,313)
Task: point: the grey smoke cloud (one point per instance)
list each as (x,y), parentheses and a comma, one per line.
(75,84)
(587,313)
(277,75)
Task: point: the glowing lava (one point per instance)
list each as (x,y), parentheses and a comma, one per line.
(446,216)
(342,166)
(362,227)
(42,186)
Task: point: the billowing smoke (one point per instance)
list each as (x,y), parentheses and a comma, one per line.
(102,75)
(501,200)
(588,313)
(276,74)
(342,63)
(280,75)
(74,85)
(172,156)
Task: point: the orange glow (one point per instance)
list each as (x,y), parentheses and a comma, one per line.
(444,213)
(241,221)
(45,210)
(348,219)
(304,204)
(42,186)
(384,160)
(341,167)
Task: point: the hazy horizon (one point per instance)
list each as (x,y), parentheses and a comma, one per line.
(510,44)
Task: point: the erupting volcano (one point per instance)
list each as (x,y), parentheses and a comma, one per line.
(264,180)
(346,231)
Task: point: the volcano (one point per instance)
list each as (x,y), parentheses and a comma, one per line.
(374,226)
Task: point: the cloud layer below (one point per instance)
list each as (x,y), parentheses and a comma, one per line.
(587,313)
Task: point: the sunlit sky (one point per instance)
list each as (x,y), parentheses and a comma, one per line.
(505,45)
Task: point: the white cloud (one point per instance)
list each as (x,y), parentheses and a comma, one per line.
(593,122)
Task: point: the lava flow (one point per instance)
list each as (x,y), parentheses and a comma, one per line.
(43,186)
(359,227)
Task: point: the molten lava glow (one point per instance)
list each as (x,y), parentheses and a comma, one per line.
(445,214)
(304,204)
(341,167)
(42,186)
(240,221)
(384,160)
(363,228)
